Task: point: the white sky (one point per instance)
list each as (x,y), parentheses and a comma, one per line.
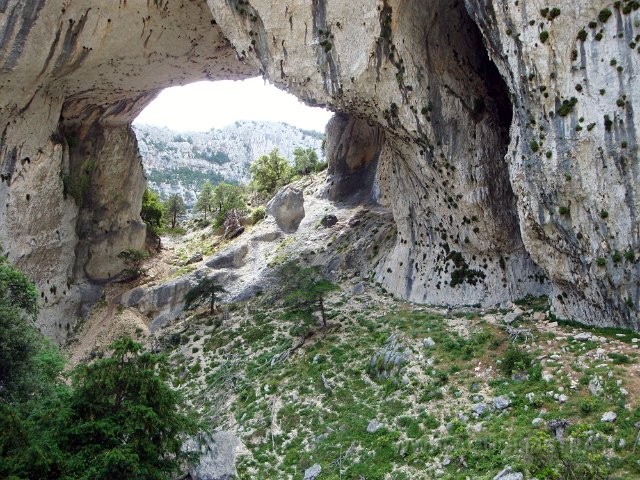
(201,106)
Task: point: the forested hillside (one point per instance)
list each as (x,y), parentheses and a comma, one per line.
(180,162)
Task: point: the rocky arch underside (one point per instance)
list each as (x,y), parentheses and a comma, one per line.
(436,107)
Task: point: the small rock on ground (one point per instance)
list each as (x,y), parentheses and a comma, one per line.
(508,474)
(479,408)
(510,317)
(358,289)
(582,337)
(312,472)
(329,221)
(374,426)
(609,417)
(197,257)
(501,402)
(428,343)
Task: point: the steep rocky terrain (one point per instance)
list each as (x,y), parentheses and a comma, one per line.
(501,135)
(179,162)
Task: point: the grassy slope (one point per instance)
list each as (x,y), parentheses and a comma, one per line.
(314,407)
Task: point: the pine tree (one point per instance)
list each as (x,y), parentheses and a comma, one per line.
(203,292)
(306,291)
(205,203)
(124,420)
(175,206)
(152,210)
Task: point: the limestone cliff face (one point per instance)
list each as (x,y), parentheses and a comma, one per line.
(498,188)
(573,155)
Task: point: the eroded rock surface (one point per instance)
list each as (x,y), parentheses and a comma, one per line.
(503,140)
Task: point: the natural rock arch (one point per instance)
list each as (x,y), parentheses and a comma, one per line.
(416,77)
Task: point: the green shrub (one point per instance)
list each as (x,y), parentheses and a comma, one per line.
(587,406)
(258,214)
(616,257)
(515,360)
(567,106)
(604,15)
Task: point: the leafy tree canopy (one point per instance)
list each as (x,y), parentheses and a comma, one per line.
(118,418)
(305,161)
(270,172)
(16,290)
(227,197)
(20,342)
(124,420)
(152,209)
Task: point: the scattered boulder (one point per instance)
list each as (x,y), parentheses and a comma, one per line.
(536,422)
(160,302)
(520,376)
(230,258)
(428,342)
(358,289)
(479,409)
(329,221)
(501,402)
(312,472)
(389,361)
(354,221)
(287,208)
(508,474)
(539,316)
(374,426)
(609,417)
(197,257)
(557,427)
(511,317)
(218,456)
(595,386)
(268,236)
(233,225)
(583,337)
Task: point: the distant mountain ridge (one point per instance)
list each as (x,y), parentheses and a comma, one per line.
(179,162)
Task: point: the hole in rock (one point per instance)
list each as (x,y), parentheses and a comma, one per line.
(213,131)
